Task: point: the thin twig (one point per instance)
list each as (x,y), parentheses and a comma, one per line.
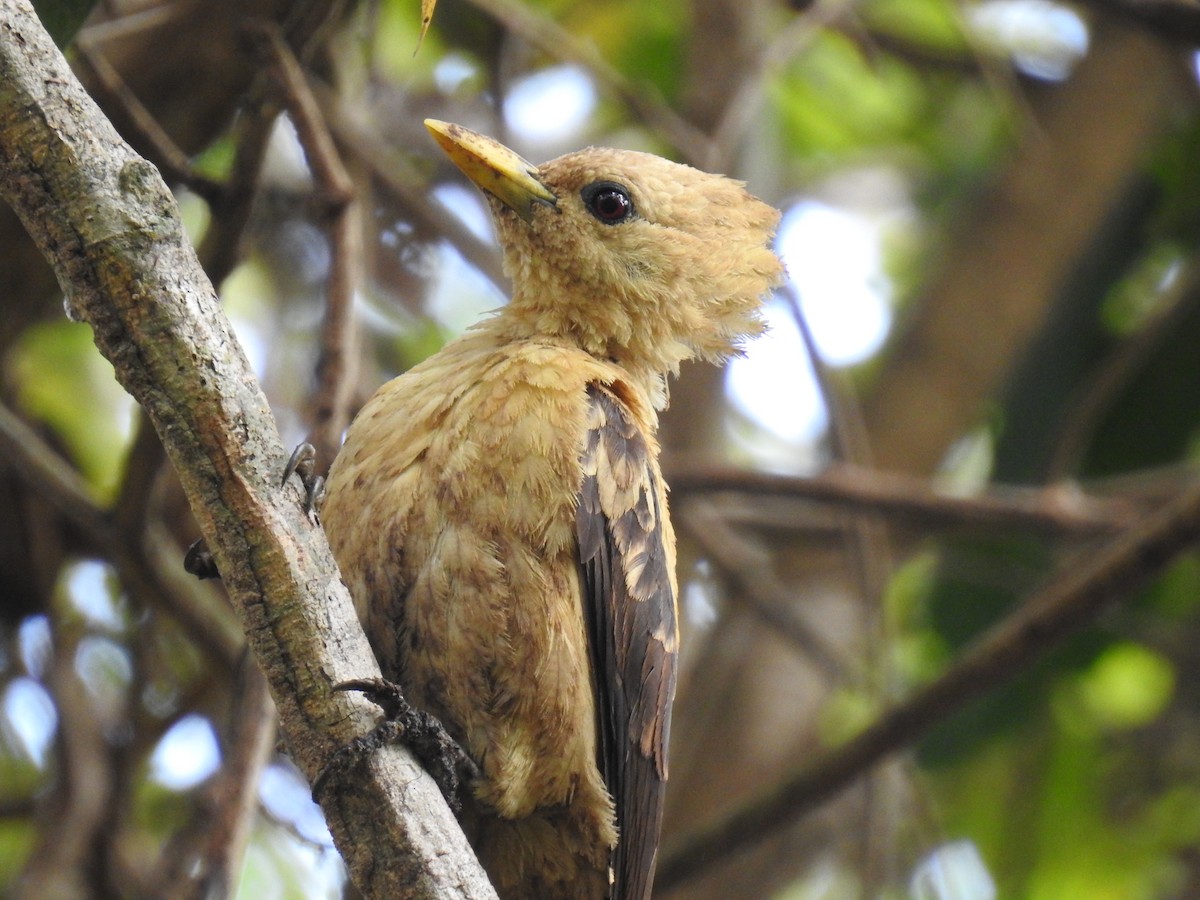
(149,568)
(745,102)
(1049,510)
(869,553)
(919,55)
(167,155)
(48,475)
(252,132)
(759,589)
(209,863)
(387,165)
(555,41)
(329,405)
(867,538)
(1083,415)
(1070,602)
(330,175)
(143,462)
(134,24)
(64,861)
(220,250)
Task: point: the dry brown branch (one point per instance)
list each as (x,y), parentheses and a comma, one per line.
(1053,511)
(147,565)
(1004,265)
(110,227)
(361,142)
(1115,373)
(69,859)
(208,865)
(1071,601)
(558,43)
(167,156)
(758,588)
(869,558)
(329,405)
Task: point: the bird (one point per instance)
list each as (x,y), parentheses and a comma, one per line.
(500,516)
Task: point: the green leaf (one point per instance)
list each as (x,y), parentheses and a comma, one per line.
(63,381)
(1127,687)
(932,24)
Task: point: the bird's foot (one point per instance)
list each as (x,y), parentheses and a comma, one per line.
(303,463)
(199,561)
(438,752)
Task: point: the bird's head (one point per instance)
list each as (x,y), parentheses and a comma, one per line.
(635,258)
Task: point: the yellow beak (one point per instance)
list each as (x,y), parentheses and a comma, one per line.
(494,168)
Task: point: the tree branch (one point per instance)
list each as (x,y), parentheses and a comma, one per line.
(141,558)
(1070,602)
(1052,511)
(362,143)
(552,39)
(109,226)
(329,406)
(759,589)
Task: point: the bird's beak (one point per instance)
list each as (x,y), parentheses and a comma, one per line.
(494,168)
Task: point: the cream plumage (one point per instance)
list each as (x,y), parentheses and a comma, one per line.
(500,518)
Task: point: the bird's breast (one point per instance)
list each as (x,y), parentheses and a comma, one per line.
(451,512)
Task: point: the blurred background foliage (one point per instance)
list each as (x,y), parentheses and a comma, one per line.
(991,220)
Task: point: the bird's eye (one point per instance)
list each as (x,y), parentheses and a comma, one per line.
(608,202)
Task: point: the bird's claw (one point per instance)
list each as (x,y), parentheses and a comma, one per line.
(303,463)
(442,756)
(199,561)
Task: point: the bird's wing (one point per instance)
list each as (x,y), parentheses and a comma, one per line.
(630,604)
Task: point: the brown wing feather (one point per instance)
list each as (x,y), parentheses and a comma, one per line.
(630,604)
